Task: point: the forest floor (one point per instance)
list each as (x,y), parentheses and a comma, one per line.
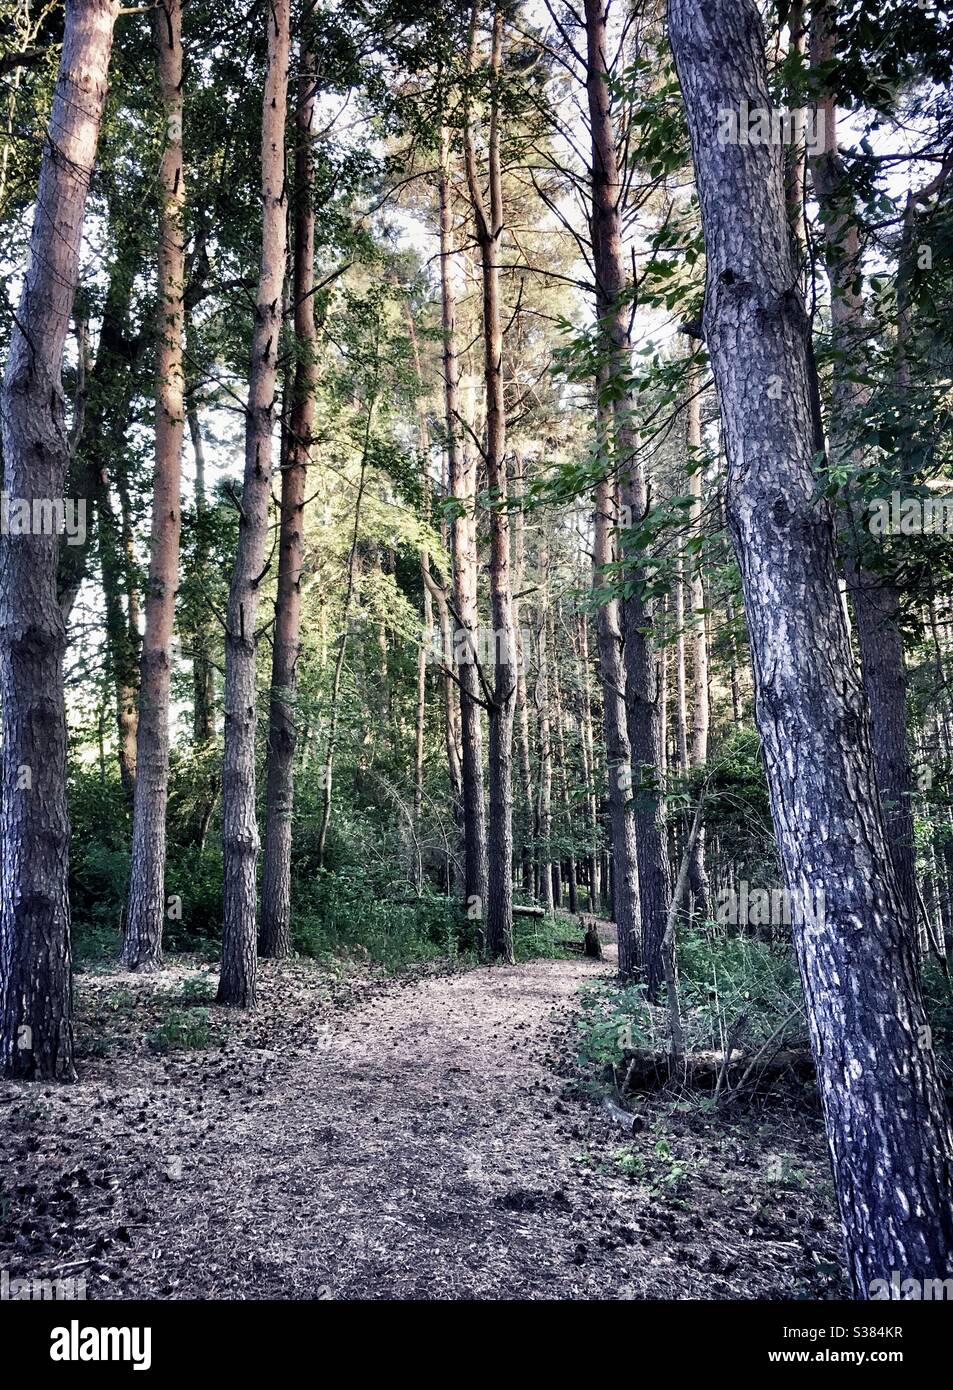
(363,1137)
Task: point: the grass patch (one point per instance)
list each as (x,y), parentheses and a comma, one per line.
(183,1031)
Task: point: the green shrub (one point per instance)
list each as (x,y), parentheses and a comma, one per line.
(339,916)
(726,985)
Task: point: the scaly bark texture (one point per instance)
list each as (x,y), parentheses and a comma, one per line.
(887,1126)
(641,673)
(488,218)
(276,867)
(36,1002)
(875,597)
(142,944)
(462,470)
(239,826)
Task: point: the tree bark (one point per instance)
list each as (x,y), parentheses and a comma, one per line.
(589,762)
(572,885)
(203,677)
(142,945)
(888,1131)
(522,697)
(36,1031)
(239,826)
(489,233)
(701,714)
(641,672)
(462,467)
(874,596)
(622,862)
(275,940)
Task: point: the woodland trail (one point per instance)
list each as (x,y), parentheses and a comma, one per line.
(415,1144)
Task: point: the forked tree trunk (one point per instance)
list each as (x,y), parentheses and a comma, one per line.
(36,1001)
(462,466)
(275,939)
(642,694)
(239,826)
(489,233)
(887,1126)
(142,945)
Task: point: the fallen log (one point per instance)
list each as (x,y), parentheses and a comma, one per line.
(623,1118)
(650,1071)
(522,910)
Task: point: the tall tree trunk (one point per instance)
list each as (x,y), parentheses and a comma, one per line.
(203,677)
(565,795)
(98,440)
(887,1126)
(451,702)
(426,646)
(239,826)
(701,715)
(544,818)
(622,862)
(462,465)
(681,683)
(351,594)
(451,721)
(874,596)
(120,601)
(589,762)
(142,946)
(275,938)
(489,233)
(642,694)
(36,1002)
(522,697)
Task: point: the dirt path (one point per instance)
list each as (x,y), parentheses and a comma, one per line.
(416,1145)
